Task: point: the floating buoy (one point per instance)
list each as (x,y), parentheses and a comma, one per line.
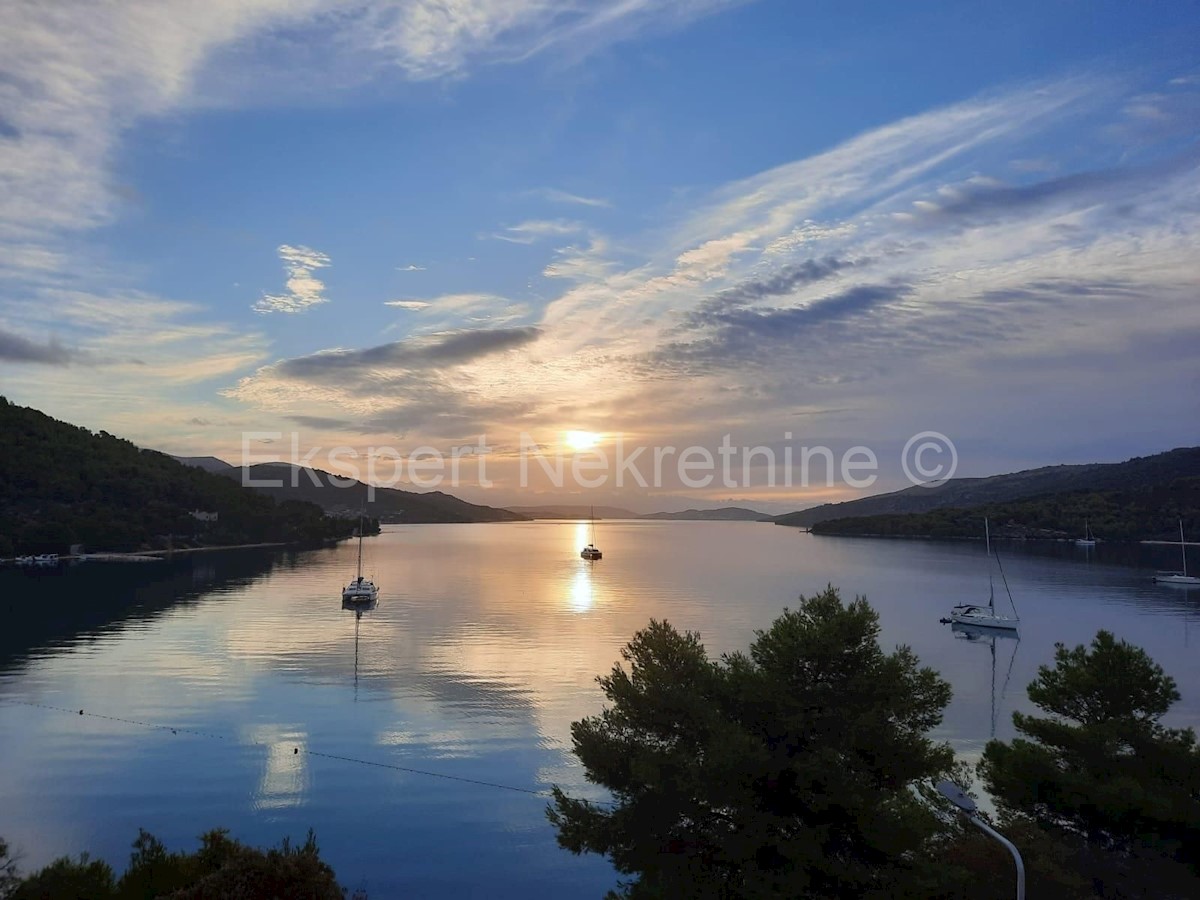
(81,712)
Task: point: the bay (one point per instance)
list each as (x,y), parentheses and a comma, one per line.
(226,689)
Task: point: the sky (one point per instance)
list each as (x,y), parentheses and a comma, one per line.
(398,228)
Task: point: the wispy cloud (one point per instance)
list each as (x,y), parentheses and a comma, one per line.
(410,268)
(303,288)
(408,304)
(534,230)
(554,195)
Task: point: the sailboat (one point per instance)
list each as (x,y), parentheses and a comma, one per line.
(360,590)
(1088,539)
(591,551)
(1178,577)
(986,616)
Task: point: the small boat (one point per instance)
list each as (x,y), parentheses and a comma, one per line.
(24,560)
(986,616)
(46,559)
(1178,577)
(591,551)
(360,590)
(1088,539)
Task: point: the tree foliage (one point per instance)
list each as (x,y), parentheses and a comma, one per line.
(1143,512)
(61,485)
(1102,766)
(221,867)
(789,770)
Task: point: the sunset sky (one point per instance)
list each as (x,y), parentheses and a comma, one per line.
(397,224)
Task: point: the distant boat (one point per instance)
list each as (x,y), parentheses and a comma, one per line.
(591,551)
(986,616)
(360,590)
(1088,539)
(24,560)
(46,559)
(1178,577)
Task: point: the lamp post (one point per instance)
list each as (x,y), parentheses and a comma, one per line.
(959,798)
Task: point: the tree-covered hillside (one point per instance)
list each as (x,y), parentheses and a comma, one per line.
(60,484)
(1150,512)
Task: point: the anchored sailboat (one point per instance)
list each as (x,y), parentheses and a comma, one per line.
(986,616)
(360,590)
(1178,577)
(1088,539)
(591,551)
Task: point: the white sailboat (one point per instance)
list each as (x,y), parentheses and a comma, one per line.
(986,616)
(1088,539)
(591,551)
(360,590)
(1178,577)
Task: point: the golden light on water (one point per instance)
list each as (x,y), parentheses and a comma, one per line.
(581,440)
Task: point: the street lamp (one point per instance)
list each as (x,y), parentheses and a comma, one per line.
(959,798)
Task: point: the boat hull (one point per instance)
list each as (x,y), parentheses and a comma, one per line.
(1173,578)
(1082,543)
(591,554)
(994,622)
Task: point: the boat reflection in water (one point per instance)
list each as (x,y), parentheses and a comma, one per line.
(359,607)
(980,634)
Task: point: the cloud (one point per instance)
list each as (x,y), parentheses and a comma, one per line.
(303,288)
(581,263)
(410,268)
(537,229)
(743,338)
(554,195)
(436,38)
(982,198)
(446,349)
(408,304)
(14,348)
(785,281)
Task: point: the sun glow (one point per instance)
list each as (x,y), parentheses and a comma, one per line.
(581,440)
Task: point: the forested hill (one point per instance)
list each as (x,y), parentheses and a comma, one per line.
(968,493)
(1150,512)
(60,484)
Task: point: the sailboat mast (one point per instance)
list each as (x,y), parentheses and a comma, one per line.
(360,537)
(593,511)
(1182,547)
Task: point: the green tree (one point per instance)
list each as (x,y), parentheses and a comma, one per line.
(787,771)
(1102,766)
(68,878)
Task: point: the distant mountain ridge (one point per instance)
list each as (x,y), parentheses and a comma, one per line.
(317,486)
(572,511)
(1141,471)
(724,514)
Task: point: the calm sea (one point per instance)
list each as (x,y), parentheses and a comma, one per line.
(283,711)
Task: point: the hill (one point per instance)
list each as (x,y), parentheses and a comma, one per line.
(389,504)
(724,514)
(968,493)
(1148,512)
(573,512)
(60,484)
(207,463)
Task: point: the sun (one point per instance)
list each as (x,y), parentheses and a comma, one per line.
(581,440)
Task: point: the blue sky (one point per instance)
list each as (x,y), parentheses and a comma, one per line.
(411,223)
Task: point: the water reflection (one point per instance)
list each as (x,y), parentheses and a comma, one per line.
(990,636)
(358,607)
(482,650)
(581,588)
